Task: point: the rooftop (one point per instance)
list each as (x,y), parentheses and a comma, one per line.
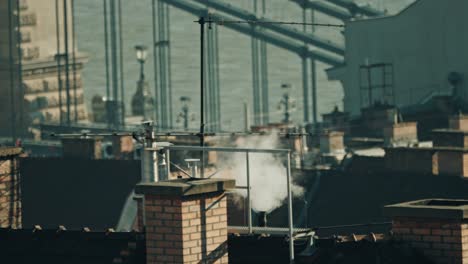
(432,208)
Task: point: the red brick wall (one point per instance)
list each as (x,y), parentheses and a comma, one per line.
(10,203)
(442,241)
(188,230)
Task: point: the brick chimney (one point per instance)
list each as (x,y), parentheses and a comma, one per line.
(401,134)
(122,147)
(452,151)
(186,220)
(84,148)
(10,203)
(437,228)
(458,122)
(331,142)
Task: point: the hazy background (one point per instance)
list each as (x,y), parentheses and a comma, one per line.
(235,54)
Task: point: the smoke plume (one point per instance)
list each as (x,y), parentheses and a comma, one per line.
(267,173)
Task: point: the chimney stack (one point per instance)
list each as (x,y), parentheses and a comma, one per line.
(438,228)
(401,134)
(84,148)
(186,220)
(332,142)
(458,122)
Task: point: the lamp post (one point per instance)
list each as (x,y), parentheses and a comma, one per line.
(286,103)
(185,113)
(142,102)
(141,54)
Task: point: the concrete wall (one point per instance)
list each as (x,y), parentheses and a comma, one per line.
(425,42)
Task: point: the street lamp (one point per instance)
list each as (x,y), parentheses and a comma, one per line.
(141,54)
(142,101)
(286,103)
(185,113)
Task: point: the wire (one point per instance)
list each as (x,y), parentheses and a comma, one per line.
(221,22)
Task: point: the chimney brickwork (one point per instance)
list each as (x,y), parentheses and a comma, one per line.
(401,134)
(186,221)
(10,200)
(436,228)
(332,142)
(458,122)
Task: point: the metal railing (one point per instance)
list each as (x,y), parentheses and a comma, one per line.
(247,152)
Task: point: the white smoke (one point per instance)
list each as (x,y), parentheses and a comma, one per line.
(267,173)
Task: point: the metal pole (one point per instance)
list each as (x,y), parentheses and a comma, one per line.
(121,64)
(155,67)
(168,163)
(58,58)
(169,63)
(106,52)
(202,22)
(314,75)
(74,62)
(12,76)
(20,67)
(249,200)
(305,81)
(67,60)
(290,211)
(115,75)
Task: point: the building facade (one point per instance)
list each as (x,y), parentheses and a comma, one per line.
(406,59)
(36,45)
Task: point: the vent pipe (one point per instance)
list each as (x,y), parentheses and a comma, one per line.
(149,158)
(262,219)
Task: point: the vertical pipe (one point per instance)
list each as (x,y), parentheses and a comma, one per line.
(20,68)
(74,61)
(155,67)
(121,64)
(67,60)
(202,92)
(290,211)
(12,75)
(246,117)
(249,199)
(58,57)
(168,164)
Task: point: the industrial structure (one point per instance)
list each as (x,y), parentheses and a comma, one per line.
(40,67)
(263,33)
(406,60)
